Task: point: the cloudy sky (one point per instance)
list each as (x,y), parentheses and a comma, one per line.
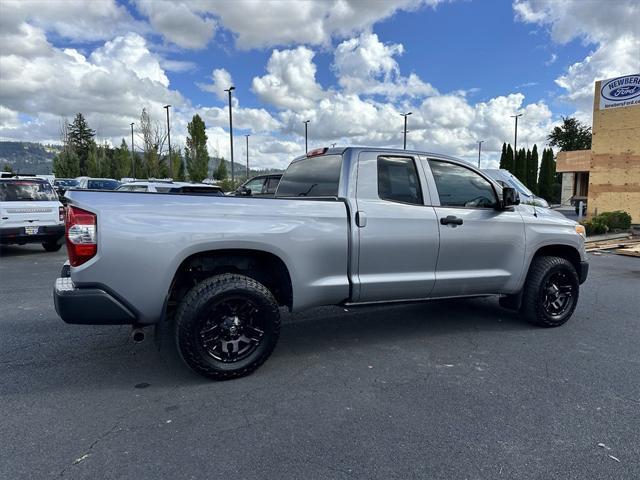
(349,66)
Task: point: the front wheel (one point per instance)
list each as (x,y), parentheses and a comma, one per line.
(52,246)
(227,326)
(551,292)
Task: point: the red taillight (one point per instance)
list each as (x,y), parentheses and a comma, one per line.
(317,152)
(81,235)
(61,214)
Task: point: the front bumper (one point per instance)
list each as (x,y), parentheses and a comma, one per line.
(46,233)
(584,271)
(89,306)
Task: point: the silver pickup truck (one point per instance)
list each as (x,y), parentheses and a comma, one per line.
(347,226)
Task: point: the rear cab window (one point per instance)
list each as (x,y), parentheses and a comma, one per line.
(398,180)
(311,177)
(26,190)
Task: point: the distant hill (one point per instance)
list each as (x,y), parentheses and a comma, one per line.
(240,168)
(28,157)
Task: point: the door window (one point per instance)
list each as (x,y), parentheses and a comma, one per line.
(255,186)
(272,184)
(398,180)
(459,186)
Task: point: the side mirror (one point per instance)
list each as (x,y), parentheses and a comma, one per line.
(510,197)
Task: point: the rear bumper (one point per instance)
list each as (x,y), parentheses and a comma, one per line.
(584,271)
(46,233)
(89,306)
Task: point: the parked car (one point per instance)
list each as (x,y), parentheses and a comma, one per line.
(171,187)
(354,226)
(260,186)
(89,183)
(30,212)
(507,179)
(61,185)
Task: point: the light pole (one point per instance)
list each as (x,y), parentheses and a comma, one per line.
(306,147)
(247,138)
(166,107)
(133,160)
(480,142)
(515,140)
(405,115)
(229,90)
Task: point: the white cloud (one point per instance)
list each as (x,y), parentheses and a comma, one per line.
(220,81)
(365,65)
(291,80)
(613,27)
(73,19)
(179,22)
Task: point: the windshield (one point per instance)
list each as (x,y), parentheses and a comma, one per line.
(520,186)
(102,184)
(312,177)
(26,190)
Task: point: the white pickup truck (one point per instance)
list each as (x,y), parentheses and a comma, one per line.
(349,226)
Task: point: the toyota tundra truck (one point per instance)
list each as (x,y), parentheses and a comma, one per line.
(347,226)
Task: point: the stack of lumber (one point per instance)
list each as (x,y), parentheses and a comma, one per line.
(621,246)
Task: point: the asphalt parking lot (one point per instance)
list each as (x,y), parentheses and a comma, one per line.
(452,390)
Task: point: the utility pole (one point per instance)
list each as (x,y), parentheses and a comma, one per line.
(229,90)
(515,141)
(166,107)
(405,115)
(247,138)
(306,146)
(133,159)
(480,142)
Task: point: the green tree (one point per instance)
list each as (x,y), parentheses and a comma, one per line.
(503,156)
(177,164)
(520,170)
(546,178)
(532,170)
(80,139)
(221,172)
(509,162)
(196,153)
(151,140)
(8,168)
(92,166)
(122,157)
(66,164)
(571,135)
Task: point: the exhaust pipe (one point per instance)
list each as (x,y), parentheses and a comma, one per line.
(137,335)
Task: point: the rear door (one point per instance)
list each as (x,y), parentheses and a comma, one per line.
(397,229)
(481,247)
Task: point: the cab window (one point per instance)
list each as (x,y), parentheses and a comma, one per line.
(312,177)
(459,186)
(255,185)
(398,180)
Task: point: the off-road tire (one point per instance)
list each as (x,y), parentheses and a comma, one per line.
(51,246)
(532,308)
(191,317)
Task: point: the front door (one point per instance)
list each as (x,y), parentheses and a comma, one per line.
(397,229)
(482,248)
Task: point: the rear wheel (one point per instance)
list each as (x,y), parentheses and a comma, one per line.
(227,326)
(52,246)
(551,292)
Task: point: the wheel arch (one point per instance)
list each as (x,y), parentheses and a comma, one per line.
(264,267)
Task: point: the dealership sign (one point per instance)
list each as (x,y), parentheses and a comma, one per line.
(620,92)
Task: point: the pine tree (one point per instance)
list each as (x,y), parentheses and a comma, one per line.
(122,161)
(503,156)
(80,138)
(66,164)
(92,167)
(520,170)
(177,164)
(532,176)
(547,174)
(196,153)
(221,171)
(509,161)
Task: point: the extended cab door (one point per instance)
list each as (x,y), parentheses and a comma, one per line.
(397,230)
(482,248)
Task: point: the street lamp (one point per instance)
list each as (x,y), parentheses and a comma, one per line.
(480,142)
(229,90)
(306,147)
(405,115)
(247,138)
(515,140)
(166,107)
(133,161)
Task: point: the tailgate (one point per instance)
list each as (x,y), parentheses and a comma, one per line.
(36,213)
